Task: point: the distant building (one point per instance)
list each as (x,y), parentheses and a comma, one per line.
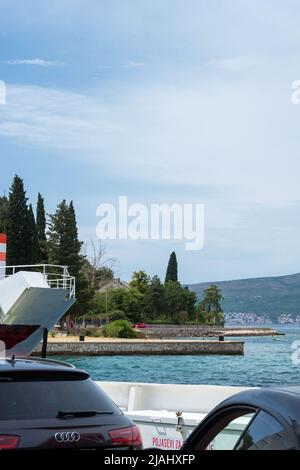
(113,284)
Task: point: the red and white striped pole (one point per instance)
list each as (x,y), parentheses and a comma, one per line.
(3,242)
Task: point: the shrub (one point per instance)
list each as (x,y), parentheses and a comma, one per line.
(119,329)
(89,331)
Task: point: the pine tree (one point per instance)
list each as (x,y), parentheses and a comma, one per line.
(19,234)
(64,246)
(3,214)
(171,274)
(64,249)
(41,229)
(85,291)
(34,245)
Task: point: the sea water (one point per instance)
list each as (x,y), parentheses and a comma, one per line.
(268,361)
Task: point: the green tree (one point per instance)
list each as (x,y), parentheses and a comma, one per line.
(115,299)
(64,246)
(85,291)
(41,229)
(180,302)
(3,214)
(182,317)
(19,235)
(154,299)
(174,300)
(172,274)
(200,314)
(34,242)
(75,244)
(129,301)
(211,305)
(64,249)
(190,300)
(103,275)
(140,281)
(117,315)
(41,218)
(134,305)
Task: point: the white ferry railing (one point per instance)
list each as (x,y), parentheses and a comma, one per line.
(56,276)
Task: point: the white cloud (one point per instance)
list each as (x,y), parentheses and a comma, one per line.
(232,64)
(132,65)
(38,62)
(225,133)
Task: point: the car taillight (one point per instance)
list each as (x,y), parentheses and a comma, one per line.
(130,436)
(8,442)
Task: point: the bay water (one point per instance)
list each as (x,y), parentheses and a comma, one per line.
(268,361)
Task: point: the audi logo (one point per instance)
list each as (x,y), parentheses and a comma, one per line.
(67,436)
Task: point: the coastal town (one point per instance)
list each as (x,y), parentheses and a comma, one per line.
(243,318)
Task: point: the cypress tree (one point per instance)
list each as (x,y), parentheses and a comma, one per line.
(41,229)
(19,235)
(40,219)
(34,245)
(171,274)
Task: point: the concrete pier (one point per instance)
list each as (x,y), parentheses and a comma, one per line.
(143,347)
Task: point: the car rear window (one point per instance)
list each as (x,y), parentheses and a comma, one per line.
(34,399)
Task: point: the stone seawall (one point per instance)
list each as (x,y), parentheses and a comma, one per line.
(198,331)
(144,348)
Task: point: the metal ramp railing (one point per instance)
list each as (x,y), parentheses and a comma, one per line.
(56,276)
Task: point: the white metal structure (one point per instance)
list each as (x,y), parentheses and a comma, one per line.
(55,276)
(35,295)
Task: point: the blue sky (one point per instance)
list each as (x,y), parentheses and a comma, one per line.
(174,101)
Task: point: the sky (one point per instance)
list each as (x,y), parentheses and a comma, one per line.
(174,101)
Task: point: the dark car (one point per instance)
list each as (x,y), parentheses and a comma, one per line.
(257,419)
(51,404)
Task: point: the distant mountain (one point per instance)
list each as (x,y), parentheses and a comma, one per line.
(270,296)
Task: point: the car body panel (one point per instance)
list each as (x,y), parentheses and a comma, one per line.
(39,402)
(283,404)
